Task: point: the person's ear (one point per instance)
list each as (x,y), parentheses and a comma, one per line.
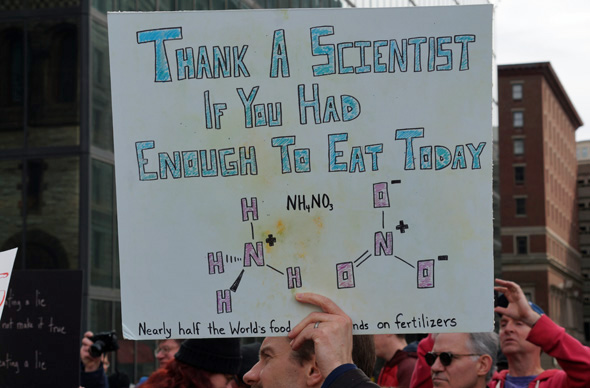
(313,373)
(484,364)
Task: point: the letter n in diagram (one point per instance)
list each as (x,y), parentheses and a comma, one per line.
(384,244)
(256,254)
(426,274)
(345,275)
(294,277)
(223,301)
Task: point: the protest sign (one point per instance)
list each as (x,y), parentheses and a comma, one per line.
(40,330)
(264,153)
(6,264)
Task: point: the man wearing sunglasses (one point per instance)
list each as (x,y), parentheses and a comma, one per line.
(524,333)
(457,360)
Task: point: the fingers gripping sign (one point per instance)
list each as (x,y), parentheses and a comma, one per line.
(330,330)
(518,306)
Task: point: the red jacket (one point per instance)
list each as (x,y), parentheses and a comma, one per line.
(397,372)
(572,356)
(421,376)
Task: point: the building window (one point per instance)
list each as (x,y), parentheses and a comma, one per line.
(518,146)
(11,45)
(35,185)
(67,71)
(518,119)
(522,245)
(519,175)
(520,206)
(517,91)
(102,226)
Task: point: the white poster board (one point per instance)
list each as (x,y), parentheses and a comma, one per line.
(6,263)
(337,151)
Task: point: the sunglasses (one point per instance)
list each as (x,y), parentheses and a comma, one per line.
(445,357)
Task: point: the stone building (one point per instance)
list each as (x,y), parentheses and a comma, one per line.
(57,194)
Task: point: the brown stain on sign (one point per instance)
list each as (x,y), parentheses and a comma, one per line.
(308,236)
(301,250)
(318,222)
(280,227)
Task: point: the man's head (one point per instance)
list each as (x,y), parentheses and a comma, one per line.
(166,350)
(363,353)
(463,360)
(386,345)
(280,366)
(513,339)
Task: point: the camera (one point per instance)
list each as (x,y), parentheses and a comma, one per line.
(500,300)
(103,342)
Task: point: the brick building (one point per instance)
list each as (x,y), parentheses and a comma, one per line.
(583,151)
(539,212)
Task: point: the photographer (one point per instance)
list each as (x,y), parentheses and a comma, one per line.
(92,374)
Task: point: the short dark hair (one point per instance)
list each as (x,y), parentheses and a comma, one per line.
(363,353)
(304,353)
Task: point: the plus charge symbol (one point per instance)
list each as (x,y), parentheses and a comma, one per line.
(402,226)
(271,240)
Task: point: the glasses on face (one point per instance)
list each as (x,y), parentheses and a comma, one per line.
(164,349)
(445,357)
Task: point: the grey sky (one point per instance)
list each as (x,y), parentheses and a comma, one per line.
(553,31)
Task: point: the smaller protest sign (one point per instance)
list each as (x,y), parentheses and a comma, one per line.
(6,264)
(40,330)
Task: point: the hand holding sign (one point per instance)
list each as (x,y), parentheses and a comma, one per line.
(330,330)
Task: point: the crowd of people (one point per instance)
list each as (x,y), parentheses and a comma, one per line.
(321,352)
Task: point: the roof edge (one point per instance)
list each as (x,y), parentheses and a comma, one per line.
(547,71)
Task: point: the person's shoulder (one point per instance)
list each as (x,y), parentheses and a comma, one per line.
(552,374)
(412,347)
(498,376)
(352,378)
(404,358)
